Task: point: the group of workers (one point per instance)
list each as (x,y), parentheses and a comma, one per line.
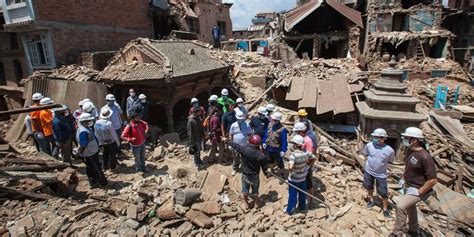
(54,131)
(261,143)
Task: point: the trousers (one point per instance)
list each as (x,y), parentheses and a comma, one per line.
(139,154)
(94,171)
(406,207)
(295,196)
(109,156)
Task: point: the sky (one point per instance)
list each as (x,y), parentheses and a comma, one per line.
(243,11)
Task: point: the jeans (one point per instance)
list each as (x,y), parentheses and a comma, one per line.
(197,154)
(294,195)
(109,156)
(139,154)
(35,142)
(250,181)
(94,171)
(45,144)
(275,157)
(119,134)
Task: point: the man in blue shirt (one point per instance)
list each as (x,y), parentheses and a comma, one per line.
(239,132)
(275,141)
(89,150)
(378,155)
(216,36)
(108,139)
(63,133)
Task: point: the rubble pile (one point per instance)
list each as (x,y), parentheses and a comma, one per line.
(426,90)
(70,72)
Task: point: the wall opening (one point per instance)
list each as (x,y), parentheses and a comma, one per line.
(3,79)
(163,24)
(18,70)
(305,47)
(157,116)
(180,117)
(436,48)
(410,3)
(333,49)
(400,22)
(393,50)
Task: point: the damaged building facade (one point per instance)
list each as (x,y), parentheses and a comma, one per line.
(169,73)
(322,29)
(406,29)
(193,19)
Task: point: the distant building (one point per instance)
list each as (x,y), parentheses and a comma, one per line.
(261,27)
(55,32)
(196,17)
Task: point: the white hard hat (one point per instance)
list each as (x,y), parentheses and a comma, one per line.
(239,114)
(239,100)
(46,101)
(87,107)
(110,97)
(194,100)
(213,98)
(106,112)
(224,92)
(379,132)
(413,132)
(299,126)
(58,109)
(276,116)
(87,100)
(37,96)
(85,117)
(297,139)
(270,107)
(142,96)
(262,110)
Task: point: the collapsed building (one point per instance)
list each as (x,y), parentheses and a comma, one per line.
(169,73)
(322,29)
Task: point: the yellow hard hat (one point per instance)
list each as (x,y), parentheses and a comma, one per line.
(302,112)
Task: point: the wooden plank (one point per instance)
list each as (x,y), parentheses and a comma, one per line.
(16,193)
(458,186)
(44,167)
(27,110)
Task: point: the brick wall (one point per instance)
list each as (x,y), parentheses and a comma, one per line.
(209,14)
(69,44)
(119,13)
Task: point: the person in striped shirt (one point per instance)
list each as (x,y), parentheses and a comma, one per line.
(298,169)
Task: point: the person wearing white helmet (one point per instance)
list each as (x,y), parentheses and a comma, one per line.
(34,118)
(108,138)
(78,111)
(378,156)
(259,123)
(418,180)
(63,132)
(116,115)
(141,107)
(225,101)
(44,133)
(212,103)
(239,132)
(196,107)
(309,147)
(275,141)
(240,106)
(131,100)
(89,107)
(298,169)
(270,109)
(88,150)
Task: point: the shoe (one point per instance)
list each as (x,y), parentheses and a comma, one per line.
(370,204)
(386,214)
(234,172)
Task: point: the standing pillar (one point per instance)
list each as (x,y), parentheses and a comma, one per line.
(169,117)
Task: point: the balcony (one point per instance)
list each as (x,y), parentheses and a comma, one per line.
(17,13)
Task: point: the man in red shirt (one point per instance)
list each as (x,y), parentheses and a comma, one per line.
(419,179)
(215,134)
(135,134)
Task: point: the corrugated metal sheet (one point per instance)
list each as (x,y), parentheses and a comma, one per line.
(310,94)
(296,15)
(296,89)
(325,98)
(60,91)
(342,95)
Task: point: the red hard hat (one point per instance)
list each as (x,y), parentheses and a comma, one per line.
(255,140)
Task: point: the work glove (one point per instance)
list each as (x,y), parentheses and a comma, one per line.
(39,135)
(75,152)
(282,153)
(264,145)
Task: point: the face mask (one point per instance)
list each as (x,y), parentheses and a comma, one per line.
(240,120)
(132,94)
(89,123)
(143,100)
(376,140)
(110,103)
(405,142)
(261,116)
(224,97)
(240,105)
(302,119)
(66,113)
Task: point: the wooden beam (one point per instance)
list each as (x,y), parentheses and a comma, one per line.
(17,193)
(27,110)
(460,174)
(299,44)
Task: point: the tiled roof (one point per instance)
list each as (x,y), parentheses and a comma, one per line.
(296,15)
(172,57)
